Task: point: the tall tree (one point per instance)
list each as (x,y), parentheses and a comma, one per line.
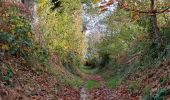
(61,24)
(149,7)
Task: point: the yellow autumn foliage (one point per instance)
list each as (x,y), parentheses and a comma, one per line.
(5,47)
(62,28)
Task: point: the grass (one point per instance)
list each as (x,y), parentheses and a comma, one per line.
(113,82)
(88,69)
(92,84)
(76,82)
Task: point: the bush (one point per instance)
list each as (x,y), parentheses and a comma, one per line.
(16,37)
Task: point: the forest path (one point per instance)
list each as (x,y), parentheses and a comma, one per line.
(86,94)
(103,92)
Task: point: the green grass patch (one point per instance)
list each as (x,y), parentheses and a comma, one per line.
(88,69)
(92,84)
(76,82)
(113,82)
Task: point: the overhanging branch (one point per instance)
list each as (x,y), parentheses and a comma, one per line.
(151,12)
(125,7)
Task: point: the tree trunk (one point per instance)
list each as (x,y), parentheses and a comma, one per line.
(154,31)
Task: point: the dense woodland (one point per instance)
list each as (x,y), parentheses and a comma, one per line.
(84,49)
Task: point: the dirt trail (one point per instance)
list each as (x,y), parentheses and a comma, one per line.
(91,95)
(84,94)
(103,92)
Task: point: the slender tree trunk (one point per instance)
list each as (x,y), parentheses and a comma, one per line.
(155,32)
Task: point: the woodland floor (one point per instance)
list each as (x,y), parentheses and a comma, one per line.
(27,84)
(103,92)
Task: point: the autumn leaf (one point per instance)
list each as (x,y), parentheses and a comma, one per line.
(95,1)
(29,34)
(5,47)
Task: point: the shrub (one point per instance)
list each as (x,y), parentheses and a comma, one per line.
(16,37)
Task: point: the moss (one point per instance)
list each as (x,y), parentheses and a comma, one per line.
(92,84)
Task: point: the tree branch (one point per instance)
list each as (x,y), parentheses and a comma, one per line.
(164,10)
(152,12)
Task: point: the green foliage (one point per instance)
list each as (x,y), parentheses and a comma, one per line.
(164,79)
(122,35)
(76,82)
(165,31)
(88,69)
(85,1)
(39,57)
(146,93)
(162,93)
(168,51)
(114,81)
(7,77)
(17,38)
(62,30)
(92,84)
(16,35)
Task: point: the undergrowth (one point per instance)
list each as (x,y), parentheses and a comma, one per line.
(20,42)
